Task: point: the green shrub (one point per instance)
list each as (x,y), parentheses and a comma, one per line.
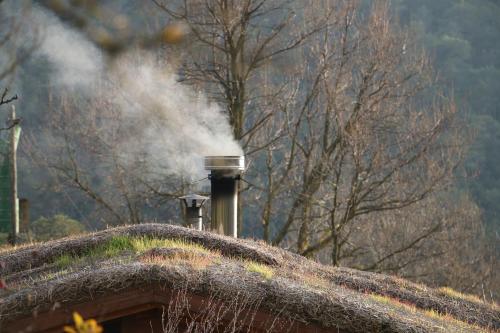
(4,237)
(58,226)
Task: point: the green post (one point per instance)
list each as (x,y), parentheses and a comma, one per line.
(9,202)
(5,205)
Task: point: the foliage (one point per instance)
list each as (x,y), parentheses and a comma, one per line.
(122,244)
(264,270)
(83,326)
(453,293)
(58,226)
(462,36)
(142,244)
(431,313)
(4,237)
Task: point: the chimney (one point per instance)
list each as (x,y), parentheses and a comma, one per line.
(225,172)
(193,215)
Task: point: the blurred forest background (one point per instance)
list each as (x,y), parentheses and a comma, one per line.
(463,39)
(405,180)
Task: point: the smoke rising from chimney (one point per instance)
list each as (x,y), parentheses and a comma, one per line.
(169,124)
(74,61)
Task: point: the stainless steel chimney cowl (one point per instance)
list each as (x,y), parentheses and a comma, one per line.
(225,172)
(193,206)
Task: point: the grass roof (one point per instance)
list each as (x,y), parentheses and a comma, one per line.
(73,269)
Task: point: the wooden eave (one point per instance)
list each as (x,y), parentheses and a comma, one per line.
(104,308)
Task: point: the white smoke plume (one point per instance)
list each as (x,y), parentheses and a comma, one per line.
(74,61)
(171,125)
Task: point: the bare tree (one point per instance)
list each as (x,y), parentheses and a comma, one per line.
(340,131)
(7,99)
(83,150)
(339,112)
(232,41)
(439,241)
(14,49)
(362,134)
(236,39)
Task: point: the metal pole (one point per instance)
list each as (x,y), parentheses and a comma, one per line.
(199,222)
(193,217)
(224,196)
(13,179)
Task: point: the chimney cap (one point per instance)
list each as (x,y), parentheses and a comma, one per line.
(194,200)
(225,163)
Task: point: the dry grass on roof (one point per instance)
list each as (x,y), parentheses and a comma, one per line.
(68,270)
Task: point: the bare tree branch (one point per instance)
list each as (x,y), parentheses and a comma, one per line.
(6,100)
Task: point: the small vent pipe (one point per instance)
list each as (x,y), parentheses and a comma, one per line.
(193,214)
(225,172)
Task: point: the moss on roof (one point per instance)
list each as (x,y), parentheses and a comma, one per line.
(123,245)
(71,269)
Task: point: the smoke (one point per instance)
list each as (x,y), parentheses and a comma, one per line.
(168,124)
(74,61)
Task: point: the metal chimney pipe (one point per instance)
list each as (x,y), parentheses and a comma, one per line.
(225,172)
(193,214)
